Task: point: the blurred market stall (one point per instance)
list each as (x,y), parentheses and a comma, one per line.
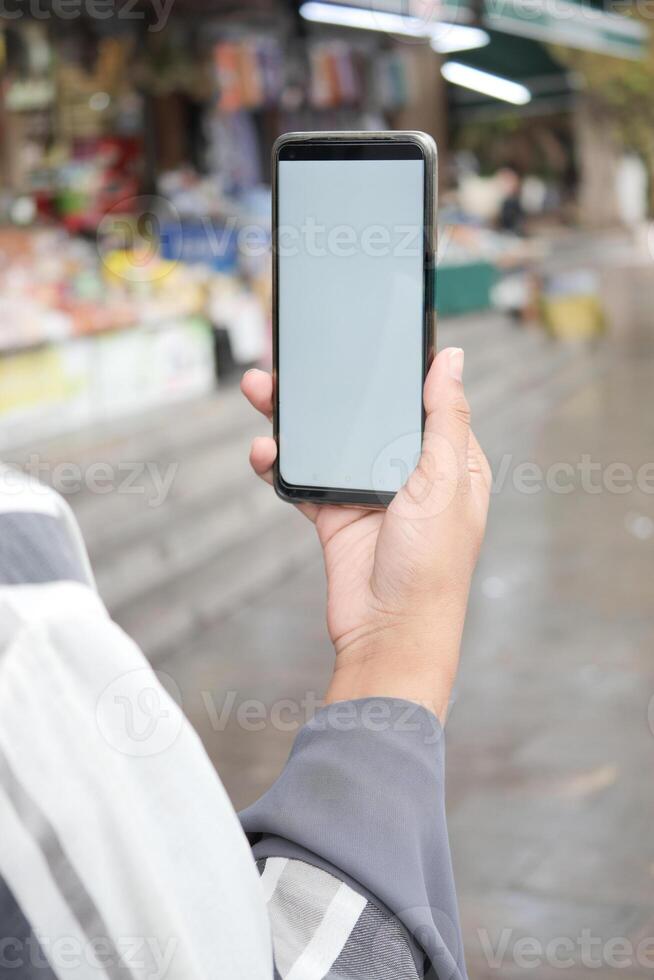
(134,175)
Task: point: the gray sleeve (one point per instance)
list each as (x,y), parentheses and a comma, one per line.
(21,954)
(362,798)
(38,548)
(40,540)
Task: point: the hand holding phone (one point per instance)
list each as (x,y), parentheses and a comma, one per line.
(398,580)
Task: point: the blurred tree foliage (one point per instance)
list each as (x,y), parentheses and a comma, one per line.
(530,145)
(619,92)
(622,91)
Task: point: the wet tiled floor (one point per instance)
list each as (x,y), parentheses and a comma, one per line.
(551,750)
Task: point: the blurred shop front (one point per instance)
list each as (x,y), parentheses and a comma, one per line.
(135,201)
(122,285)
(134,182)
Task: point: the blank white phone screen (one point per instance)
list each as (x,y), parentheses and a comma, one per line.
(351,312)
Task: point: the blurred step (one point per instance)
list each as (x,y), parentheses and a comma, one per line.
(188,542)
(203,476)
(171,573)
(168,618)
(211,494)
(220,537)
(158,431)
(205,471)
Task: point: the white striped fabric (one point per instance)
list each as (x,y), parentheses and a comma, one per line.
(271,875)
(115,829)
(330,937)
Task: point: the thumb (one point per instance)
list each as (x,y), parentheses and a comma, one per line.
(443,466)
(446,406)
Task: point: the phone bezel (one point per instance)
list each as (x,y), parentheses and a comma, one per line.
(345,145)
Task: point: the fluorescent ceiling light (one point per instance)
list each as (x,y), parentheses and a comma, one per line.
(446,38)
(366,19)
(482,81)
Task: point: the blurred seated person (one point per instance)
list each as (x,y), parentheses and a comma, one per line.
(511,216)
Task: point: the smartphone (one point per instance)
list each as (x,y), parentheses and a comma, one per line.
(353,311)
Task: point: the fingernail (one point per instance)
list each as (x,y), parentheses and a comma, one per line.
(456,363)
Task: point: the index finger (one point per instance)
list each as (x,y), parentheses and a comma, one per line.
(257,386)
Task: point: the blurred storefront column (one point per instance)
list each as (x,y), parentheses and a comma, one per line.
(598,157)
(11,126)
(427,111)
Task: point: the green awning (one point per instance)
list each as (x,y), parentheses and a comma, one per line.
(574,23)
(521,60)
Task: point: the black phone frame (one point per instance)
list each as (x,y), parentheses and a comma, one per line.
(355,145)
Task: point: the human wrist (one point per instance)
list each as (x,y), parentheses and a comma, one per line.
(410,665)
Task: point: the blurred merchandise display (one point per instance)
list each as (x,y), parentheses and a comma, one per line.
(51,289)
(570,304)
(112,300)
(336,77)
(249,73)
(80,381)
(102,172)
(87,334)
(481,268)
(256,73)
(54,286)
(81,342)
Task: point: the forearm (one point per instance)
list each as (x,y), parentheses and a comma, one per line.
(421,675)
(413,657)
